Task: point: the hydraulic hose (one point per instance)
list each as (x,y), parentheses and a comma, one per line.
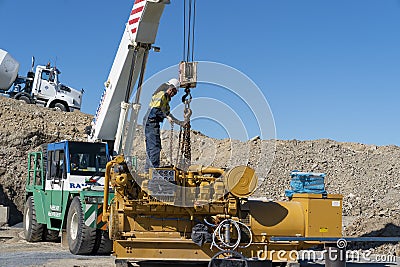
(218,236)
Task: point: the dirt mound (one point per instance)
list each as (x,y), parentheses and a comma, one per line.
(23,128)
(366,175)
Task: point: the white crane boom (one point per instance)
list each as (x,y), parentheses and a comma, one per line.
(129,64)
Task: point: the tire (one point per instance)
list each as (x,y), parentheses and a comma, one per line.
(60,107)
(33,231)
(103,245)
(51,235)
(24,99)
(81,238)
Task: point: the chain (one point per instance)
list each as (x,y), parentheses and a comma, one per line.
(186,149)
(171,137)
(178,150)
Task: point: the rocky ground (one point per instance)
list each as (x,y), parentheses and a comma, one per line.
(366,175)
(15,251)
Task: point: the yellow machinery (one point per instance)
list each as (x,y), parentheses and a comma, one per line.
(170,214)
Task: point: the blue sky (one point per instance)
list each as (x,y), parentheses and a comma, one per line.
(328,69)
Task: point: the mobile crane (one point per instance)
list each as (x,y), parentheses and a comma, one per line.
(199,213)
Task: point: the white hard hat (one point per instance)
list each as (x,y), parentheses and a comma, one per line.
(175,83)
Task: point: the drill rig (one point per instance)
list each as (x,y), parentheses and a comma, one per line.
(200,212)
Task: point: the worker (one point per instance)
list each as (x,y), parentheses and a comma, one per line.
(74,161)
(159,109)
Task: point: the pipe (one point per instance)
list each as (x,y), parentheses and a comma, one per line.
(212,170)
(106,193)
(206,170)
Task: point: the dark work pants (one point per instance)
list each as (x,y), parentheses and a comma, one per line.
(153,145)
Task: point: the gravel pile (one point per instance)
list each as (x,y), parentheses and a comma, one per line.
(23,128)
(366,175)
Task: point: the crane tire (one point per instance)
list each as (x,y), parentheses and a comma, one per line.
(33,231)
(51,235)
(103,243)
(81,238)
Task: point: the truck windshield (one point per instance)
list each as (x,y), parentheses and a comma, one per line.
(87,158)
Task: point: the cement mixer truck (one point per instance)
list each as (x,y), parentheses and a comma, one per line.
(41,86)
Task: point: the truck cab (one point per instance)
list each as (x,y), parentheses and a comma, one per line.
(41,86)
(64,191)
(49,92)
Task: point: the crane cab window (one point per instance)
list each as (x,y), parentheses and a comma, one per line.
(55,165)
(87,159)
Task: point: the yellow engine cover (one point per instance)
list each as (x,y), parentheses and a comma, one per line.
(269,218)
(323,214)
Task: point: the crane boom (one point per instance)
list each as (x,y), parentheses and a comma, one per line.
(129,63)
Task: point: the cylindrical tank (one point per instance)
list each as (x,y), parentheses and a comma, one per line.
(276,218)
(8,70)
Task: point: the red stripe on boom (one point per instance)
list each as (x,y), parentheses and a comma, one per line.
(138,1)
(133,30)
(137,10)
(133,21)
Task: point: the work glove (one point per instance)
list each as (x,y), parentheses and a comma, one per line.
(172,120)
(181,123)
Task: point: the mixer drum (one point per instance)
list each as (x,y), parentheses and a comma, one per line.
(8,70)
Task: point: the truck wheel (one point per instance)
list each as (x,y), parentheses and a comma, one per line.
(60,107)
(81,238)
(33,231)
(24,99)
(103,244)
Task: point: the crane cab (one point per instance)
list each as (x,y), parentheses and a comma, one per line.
(64,191)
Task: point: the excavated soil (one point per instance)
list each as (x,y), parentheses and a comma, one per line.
(366,175)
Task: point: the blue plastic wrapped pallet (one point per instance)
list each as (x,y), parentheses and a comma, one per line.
(306,182)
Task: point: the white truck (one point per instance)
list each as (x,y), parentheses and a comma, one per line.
(41,87)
